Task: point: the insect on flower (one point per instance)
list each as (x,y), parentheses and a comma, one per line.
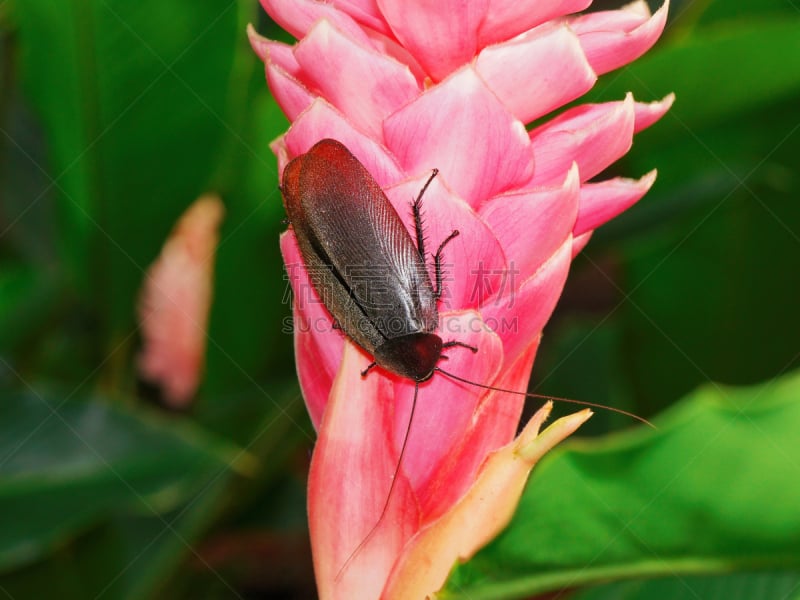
(368,270)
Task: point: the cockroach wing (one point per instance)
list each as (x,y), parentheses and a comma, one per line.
(359,255)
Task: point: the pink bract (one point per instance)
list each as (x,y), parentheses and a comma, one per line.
(409,86)
(175,302)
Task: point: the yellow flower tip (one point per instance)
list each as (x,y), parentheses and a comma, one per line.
(484,511)
(531,430)
(534,449)
(258,43)
(667,100)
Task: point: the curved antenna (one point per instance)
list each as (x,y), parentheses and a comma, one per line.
(391,488)
(548,397)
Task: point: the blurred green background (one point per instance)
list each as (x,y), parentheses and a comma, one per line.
(115,116)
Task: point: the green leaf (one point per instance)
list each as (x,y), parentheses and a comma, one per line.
(132,96)
(66,463)
(126,557)
(711,263)
(26,298)
(784,585)
(709,290)
(581,360)
(711,490)
(714,74)
(747,9)
(250,285)
(27,222)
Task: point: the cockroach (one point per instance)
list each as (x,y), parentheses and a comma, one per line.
(344,223)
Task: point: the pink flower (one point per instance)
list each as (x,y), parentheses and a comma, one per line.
(175,302)
(410,86)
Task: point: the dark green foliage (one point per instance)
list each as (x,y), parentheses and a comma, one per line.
(116,115)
